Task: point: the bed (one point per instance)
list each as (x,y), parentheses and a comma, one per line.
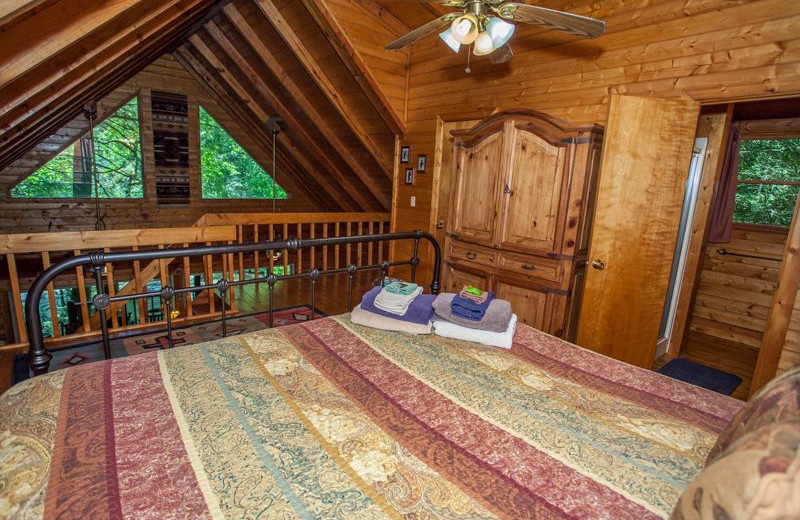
(329,419)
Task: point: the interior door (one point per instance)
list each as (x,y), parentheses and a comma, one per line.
(646,154)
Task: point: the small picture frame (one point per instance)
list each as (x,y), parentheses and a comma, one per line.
(422,163)
(409,175)
(405,154)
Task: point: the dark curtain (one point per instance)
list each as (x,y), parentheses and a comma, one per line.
(722,216)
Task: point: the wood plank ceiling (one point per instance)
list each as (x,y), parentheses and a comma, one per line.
(258,58)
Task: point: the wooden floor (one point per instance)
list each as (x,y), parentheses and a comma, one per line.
(734,358)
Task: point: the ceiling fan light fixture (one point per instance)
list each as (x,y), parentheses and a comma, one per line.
(483,44)
(465,28)
(500,31)
(448,38)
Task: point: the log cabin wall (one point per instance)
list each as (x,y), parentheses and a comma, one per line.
(737,283)
(166,74)
(714,51)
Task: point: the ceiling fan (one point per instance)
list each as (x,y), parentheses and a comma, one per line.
(482,23)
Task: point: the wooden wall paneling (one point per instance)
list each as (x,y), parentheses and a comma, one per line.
(343,181)
(360,163)
(713,127)
(340,41)
(377,136)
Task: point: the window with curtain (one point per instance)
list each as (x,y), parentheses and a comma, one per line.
(117,149)
(768,181)
(228,171)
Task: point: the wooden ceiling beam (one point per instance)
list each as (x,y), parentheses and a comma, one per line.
(328,184)
(57,98)
(386,17)
(339,40)
(343,177)
(273,63)
(317,71)
(285,153)
(13,11)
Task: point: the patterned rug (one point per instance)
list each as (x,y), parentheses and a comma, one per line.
(199,333)
(700,375)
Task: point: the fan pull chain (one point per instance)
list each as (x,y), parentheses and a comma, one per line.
(468,70)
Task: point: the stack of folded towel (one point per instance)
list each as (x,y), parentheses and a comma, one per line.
(475,315)
(399,306)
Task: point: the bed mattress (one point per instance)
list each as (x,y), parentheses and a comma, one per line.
(328,419)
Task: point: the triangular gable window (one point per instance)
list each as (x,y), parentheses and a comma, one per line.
(117,155)
(228,171)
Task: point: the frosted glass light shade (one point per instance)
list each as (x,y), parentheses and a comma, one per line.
(483,45)
(448,38)
(465,29)
(500,31)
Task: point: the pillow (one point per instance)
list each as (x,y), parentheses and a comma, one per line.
(757,478)
(778,400)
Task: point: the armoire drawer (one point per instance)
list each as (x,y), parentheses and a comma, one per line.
(544,268)
(471,253)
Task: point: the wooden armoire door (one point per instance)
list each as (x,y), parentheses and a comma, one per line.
(531,193)
(474,201)
(646,154)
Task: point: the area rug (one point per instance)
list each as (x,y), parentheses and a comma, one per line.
(199,333)
(701,375)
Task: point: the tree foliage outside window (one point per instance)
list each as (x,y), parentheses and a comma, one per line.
(769,178)
(118,157)
(228,171)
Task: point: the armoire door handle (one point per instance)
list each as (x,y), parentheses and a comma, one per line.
(472,256)
(598,264)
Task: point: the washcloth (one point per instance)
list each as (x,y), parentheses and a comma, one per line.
(419,311)
(474,294)
(404,288)
(495,339)
(368,319)
(495,319)
(395,303)
(470,310)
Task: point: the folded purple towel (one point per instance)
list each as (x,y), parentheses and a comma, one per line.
(419,311)
(469,309)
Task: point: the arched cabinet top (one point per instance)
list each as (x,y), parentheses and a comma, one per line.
(555,131)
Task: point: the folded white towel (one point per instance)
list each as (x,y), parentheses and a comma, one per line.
(395,303)
(369,319)
(495,339)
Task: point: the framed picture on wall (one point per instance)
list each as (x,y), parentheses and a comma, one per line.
(405,154)
(422,163)
(409,175)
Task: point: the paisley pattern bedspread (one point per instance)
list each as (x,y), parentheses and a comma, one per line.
(327,419)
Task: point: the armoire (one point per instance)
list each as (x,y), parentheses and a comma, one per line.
(519,215)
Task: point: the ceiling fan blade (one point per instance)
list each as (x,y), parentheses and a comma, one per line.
(448,3)
(421,32)
(501,55)
(559,20)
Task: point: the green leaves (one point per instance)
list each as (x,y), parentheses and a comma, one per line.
(227,170)
(775,161)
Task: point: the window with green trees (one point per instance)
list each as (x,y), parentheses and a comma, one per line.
(228,171)
(117,155)
(768,182)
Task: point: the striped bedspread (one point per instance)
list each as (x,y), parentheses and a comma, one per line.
(328,419)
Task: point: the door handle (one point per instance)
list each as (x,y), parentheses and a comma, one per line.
(598,264)
(472,256)
(528,267)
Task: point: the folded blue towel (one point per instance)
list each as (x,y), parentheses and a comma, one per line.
(420,310)
(404,288)
(469,309)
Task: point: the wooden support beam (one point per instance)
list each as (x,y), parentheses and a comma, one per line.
(317,71)
(287,154)
(355,64)
(780,312)
(274,64)
(297,127)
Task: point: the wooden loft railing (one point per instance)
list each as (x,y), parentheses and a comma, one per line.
(27,255)
(260,227)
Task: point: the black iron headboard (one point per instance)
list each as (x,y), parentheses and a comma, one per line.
(39,357)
